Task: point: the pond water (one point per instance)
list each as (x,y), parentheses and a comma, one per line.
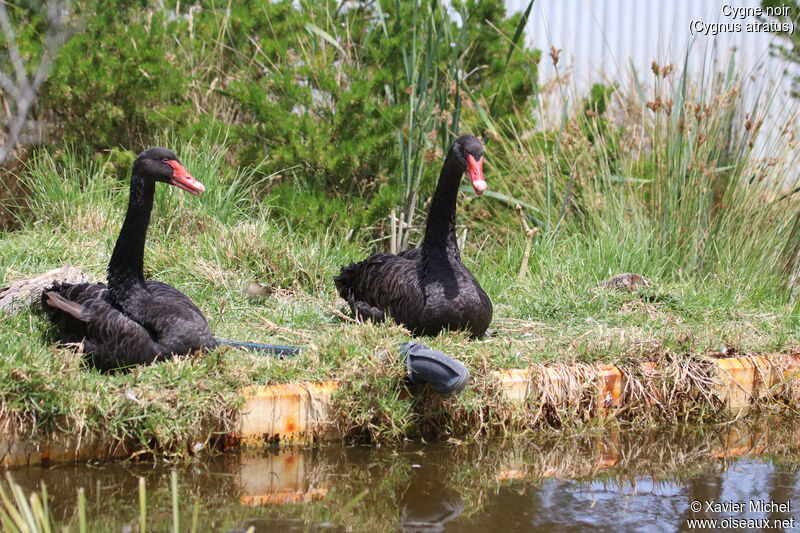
(740,475)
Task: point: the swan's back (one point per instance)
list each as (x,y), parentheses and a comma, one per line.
(424,298)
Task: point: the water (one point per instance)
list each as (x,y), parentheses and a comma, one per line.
(592,481)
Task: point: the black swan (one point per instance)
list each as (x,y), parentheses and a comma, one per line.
(132,321)
(426,289)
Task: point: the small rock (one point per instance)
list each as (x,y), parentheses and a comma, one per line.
(627,282)
(20,294)
(256,290)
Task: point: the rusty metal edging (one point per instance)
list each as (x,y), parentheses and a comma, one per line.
(299,413)
(292,412)
(302,412)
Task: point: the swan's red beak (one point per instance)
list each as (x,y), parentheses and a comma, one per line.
(183,180)
(475,171)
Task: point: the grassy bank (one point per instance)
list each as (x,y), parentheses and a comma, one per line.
(665,176)
(214,246)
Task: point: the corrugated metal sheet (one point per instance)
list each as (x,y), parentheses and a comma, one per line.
(601,38)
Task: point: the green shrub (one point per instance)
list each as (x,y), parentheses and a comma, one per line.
(332,90)
(358,101)
(119,79)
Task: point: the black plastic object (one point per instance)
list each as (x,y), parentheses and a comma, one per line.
(272,349)
(446,375)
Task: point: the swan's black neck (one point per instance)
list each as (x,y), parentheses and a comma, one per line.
(126,267)
(440,233)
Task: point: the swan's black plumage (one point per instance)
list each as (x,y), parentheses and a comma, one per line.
(427,289)
(131,321)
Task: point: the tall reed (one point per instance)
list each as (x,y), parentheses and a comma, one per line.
(680,168)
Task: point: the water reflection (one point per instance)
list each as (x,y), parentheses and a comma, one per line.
(604,480)
(428,507)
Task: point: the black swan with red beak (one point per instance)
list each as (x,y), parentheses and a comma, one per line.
(427,289)
(132,321)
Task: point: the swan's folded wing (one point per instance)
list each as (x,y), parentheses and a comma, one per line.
(384,281)
(65,304)
(167,295)
(117,340)
(412,254)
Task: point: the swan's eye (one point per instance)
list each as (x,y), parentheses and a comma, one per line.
(164,160)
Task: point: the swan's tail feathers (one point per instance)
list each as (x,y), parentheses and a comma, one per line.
(272,349)
(344,281)
(54,299)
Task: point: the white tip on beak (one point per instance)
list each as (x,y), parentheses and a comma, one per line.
(479,186)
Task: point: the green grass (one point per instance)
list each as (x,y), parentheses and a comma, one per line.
(720,273)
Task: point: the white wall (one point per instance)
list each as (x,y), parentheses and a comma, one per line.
(600,37)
